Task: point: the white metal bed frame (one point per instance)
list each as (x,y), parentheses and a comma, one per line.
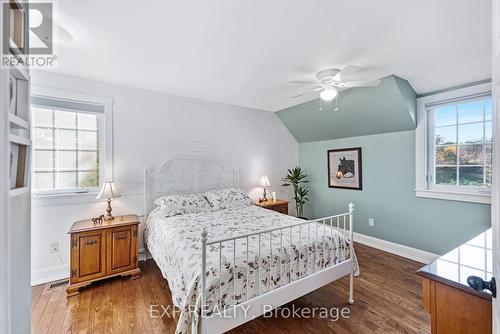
(183,176)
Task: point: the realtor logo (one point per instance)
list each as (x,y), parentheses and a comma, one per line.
(41,28)
(28,34)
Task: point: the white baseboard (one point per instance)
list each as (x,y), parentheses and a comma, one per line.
(50,274)
(60,272)
(394,248)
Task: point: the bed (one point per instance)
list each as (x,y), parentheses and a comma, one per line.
(254,259)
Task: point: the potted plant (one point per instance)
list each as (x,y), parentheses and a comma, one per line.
(297,179)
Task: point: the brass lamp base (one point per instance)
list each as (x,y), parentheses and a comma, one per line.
(264,198)
(109,216)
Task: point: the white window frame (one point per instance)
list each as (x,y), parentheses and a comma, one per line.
(106,135)
(423,144)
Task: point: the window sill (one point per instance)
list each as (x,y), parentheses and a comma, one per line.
(49,199)
(472,197)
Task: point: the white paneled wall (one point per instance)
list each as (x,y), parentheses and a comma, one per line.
(150,128)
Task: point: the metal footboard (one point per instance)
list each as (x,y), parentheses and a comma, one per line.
(340,225)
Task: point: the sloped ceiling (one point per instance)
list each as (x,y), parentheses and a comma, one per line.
(389,107)
(246,52)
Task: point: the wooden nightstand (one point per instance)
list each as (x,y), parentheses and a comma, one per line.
(278,205)
(100,251)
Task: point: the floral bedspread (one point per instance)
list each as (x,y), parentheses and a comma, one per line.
(285,255)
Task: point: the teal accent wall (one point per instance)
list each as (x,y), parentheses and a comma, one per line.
(388,107)
(388,195)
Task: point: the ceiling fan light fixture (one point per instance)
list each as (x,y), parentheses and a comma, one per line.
(328,94)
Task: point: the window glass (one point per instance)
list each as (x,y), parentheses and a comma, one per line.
(471,176)
(487,132)
(471,154)
(66,180)
(65,119)
(446,155)
(44,159)
(470,133)
(87,139)
(43,181)
(66,149)
(446,115)
(446,175)
(66,160)
(89,179)
(446,135)
(43,117)
(87,160)
(87,121)
(43,138)
(65,139)
(462,135)
(488,110)
(471,112)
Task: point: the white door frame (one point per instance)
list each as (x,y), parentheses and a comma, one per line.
(4,193)
(495,203)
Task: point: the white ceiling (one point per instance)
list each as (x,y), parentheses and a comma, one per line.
(245,52)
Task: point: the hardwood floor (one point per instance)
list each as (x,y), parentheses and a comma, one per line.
(388,299)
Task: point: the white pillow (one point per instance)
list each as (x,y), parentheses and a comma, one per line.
(227,198)
(182,204)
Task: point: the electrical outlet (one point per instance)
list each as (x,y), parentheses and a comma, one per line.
(371,222)
(54,247)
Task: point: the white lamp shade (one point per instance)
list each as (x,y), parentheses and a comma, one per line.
(264,181)
(108,191)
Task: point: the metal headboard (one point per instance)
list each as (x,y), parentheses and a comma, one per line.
(186,176)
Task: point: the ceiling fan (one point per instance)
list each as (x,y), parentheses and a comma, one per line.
(331,81)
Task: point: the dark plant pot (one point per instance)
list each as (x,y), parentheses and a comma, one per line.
(304,218)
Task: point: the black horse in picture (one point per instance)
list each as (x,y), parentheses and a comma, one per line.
(346,168)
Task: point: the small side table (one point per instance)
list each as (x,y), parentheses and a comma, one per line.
(100,251)
(278,205)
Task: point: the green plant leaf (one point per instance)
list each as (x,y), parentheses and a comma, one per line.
(296,178)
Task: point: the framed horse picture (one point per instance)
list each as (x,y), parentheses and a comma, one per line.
(344,168)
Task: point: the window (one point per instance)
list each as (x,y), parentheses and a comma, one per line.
(454,145)
(461,137)
(67,145)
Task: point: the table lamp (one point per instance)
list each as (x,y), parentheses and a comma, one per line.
(264,182)
(108,192)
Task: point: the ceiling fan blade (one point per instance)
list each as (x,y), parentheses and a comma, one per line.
(349,69)
(309,92)
(304,82)
(352,84)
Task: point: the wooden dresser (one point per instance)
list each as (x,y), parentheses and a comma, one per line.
(100,251)
(455,307)
(279,205)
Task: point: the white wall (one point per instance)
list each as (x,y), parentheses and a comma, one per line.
(150,128)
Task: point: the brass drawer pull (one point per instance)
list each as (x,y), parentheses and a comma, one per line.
(91,242)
